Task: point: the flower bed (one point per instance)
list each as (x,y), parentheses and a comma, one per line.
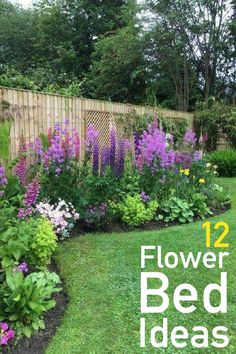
(152,180)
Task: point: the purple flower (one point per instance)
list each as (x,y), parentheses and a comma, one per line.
(4,326)
(95,157)
(91,136)
(20,170)
(3,180)
(153,150)
(105,159)
(32,192)
(136,143)
(6,334)
(24,212)
(197,156)
(23,267)
(190,137)
(145,198)
(120,161)
(113,149)
(183,159)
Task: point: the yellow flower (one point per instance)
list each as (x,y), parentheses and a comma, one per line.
(208,165)
(202,181)
(181,170)
(215,167)
(215,173)
(186,172)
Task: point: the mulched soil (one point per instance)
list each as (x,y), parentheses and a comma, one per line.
(38,343)
(40,340)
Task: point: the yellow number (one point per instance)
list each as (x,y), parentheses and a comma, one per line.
(207,226)
(218,243)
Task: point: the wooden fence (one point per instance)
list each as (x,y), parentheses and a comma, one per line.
(33,113)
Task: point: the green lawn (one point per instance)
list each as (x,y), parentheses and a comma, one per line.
(102,274)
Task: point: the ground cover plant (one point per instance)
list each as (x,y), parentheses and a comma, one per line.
(149,177)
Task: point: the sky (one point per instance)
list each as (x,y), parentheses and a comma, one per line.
(24,3)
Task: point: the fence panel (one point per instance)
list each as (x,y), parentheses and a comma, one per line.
(33,113)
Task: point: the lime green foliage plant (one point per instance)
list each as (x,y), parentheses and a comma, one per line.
(134,212)
(42,241)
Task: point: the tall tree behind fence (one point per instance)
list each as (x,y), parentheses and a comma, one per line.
(33,113)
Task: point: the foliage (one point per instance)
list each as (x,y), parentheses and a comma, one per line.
(25,299)
(42,241)
(226,162)
(199,206)
(117,71)
(176,209)
(218,196)
(216,118)
(133,211)
(5,129)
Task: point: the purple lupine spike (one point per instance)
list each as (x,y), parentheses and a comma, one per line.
(105,159)
(3,180)
(120,162)
(113,149)
(20,169)
(136,143)
(32,192)
(95,157)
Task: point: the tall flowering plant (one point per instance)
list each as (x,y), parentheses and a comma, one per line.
(62,150)
(112,156)
(20,169)
(154,150)
(3,180)
(30,199)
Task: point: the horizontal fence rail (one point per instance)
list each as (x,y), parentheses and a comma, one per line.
(33,113)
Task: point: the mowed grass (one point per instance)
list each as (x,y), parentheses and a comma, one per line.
(102,275)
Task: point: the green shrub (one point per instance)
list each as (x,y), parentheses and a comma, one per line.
(226,162)
(42,241)
(217,196)
(134,212)
(199,206)
(24,300)
(176,209)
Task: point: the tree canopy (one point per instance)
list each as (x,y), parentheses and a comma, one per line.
(167,52)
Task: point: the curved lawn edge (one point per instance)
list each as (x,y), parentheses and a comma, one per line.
(102,274)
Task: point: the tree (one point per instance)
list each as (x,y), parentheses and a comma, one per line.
(118,71)
(191,38)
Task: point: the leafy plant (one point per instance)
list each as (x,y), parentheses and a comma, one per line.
(42,241)
(176,209)
(24,300)
(199,206)
(134,212)
(226,162)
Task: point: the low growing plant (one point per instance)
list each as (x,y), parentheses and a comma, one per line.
(42,241)
(25,299)
(176,209)
(133,211)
